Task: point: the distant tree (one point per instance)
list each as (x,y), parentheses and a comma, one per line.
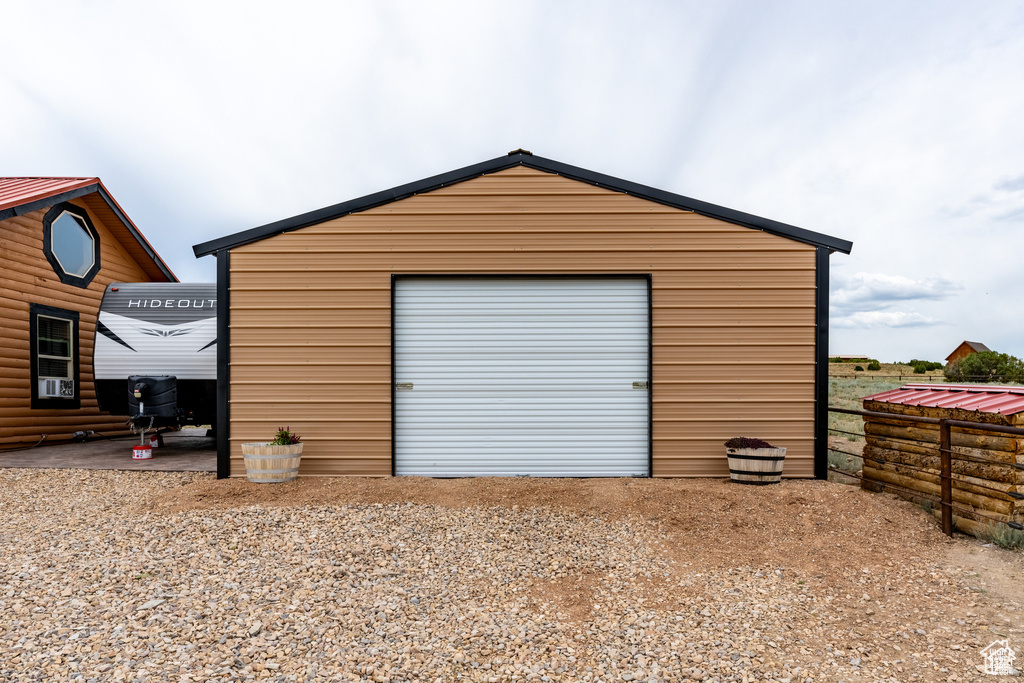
(986,366)
(874,365)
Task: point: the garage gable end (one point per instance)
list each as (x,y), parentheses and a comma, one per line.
(528,160)
(524,318)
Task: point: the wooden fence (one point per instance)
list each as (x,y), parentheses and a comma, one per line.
(973,471)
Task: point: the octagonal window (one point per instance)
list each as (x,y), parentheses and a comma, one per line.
(71,244)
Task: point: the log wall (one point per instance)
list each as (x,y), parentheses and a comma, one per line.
(905,455)
(26,277)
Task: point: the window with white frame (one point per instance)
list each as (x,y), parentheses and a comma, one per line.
(54,345)
(53,348)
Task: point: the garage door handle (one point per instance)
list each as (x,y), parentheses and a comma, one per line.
(403,386)
(639,385)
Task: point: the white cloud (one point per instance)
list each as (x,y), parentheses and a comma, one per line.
(897,128)
(1011,185)
(1003,203)
(879,319)
(871,291)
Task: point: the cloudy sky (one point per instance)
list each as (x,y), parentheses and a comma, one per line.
(899,126)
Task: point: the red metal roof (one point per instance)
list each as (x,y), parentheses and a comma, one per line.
(18,191)
(983,397)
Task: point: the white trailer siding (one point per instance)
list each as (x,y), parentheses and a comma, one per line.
(157,329)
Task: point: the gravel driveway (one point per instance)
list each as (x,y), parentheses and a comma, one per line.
(110,576)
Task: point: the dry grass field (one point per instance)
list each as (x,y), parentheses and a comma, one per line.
(846,389)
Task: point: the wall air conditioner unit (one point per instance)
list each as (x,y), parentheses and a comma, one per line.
(56,388)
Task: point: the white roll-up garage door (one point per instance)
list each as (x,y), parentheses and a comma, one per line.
(505,376)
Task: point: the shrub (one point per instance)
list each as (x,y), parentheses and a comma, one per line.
(874,365)
(858,369)
(986,366)
(1004,536)
(923,366)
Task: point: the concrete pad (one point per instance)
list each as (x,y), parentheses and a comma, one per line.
(188,450)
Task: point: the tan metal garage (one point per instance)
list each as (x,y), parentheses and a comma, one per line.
(312,314)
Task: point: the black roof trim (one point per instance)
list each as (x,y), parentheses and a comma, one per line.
(520,158)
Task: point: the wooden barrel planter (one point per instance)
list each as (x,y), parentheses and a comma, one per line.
(267,463)
(756,466)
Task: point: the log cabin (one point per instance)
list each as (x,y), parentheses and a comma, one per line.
(62,241)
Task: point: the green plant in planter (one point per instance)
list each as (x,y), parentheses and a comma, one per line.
(285,437)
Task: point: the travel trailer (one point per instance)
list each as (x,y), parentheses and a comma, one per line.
(155,353)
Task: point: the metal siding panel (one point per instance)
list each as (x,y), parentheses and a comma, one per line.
(567,260)
(618,238)
(521,376)
(350,320)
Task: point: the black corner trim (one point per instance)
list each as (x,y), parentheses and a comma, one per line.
(821,366)
(522,158)
(65,277)
(75,403)
(650,375)
(223,426)
(393,276)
